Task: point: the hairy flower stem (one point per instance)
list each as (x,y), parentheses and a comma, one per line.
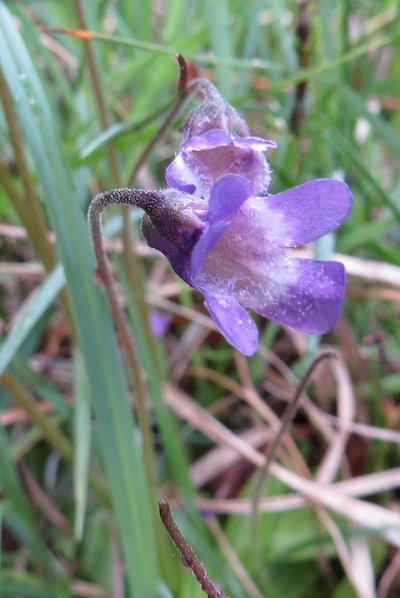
(141,199)
(287,419)
(130,197)
(189,559)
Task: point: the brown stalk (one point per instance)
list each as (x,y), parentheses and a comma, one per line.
(189,558)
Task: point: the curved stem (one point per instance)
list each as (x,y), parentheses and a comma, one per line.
(131,197)
(288,416)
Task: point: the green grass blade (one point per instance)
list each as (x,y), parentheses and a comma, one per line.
(17,512)
(82,425)
(8,476)
(35,307)
(24,585)
(357,104)
(221,42)
(119,443)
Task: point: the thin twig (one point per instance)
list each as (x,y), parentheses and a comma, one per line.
(377,338)
(189,559)
(185,91)
(286,421)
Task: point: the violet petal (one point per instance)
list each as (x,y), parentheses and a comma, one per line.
(180,176)
(205,244)
(217,138)
(204,158)
(227,195)
(178,260)
(255,143)
(208,140)
(311,302)
(311,210)
(234,322)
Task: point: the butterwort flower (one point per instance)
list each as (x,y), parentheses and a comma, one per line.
(234,247)
(231,240)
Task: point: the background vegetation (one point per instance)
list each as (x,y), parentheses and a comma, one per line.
(79,510)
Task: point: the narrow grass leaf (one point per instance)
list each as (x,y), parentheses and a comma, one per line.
(119,443)
(16,510)
(221,42)
(357,104)
(336,139)
(34,308)
(82,435)
(9,479)
(24,585)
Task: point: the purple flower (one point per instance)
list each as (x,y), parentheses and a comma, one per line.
(233,247)
(204,158)
(226,237)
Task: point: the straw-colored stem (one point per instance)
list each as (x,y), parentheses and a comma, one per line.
(28,210)
(98,93)
(52,434)
(287,419)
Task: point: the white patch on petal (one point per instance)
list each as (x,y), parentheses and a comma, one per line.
(249,262)
(208,165)
(182,173)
